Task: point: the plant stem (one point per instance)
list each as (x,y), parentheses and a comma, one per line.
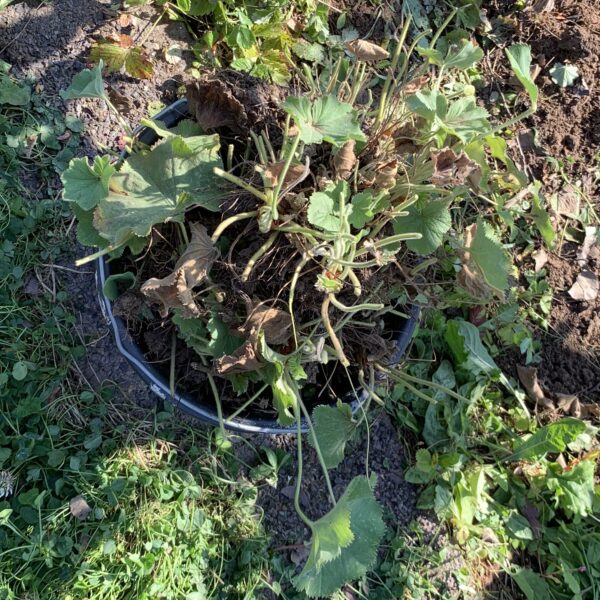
(240,183)
(443,26)
(332,335)
(300,512)
(355,307)
(92,257)
(355,283)
(172,366)
(286,167)
(305,258)
(258,254)
(230,221)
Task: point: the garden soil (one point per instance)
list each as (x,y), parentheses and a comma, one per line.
(566,127)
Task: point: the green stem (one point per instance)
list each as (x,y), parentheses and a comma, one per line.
(240,183)
(443,26)
(300,512)
(286,167)
(305,258)
(92,257)
(331,333)
(230,221)
(258,254)
(356,307)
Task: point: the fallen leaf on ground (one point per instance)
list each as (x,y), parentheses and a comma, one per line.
(345,160)
(79,508)
(585,287)
(528,377)
(366,51)
(541,258)
(541,6)
(414,85)
(571,405)
(588,243)
(568,202)
(243,360)
(175,290)
(450,168)
(213,105)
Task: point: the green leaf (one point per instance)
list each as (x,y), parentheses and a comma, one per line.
(312,52)
(553,437)
(365,205)
(13,93)
(564,75)
(430,218)
(87,185)
(325,119)
(158,186)
(285,392)
(117,284)
(465,119)
(518,526)
(321,575)
(116,56)
(19,371)
(86,84)
(519,56)
(487,253)
(574,489)
(532,584)
(428,104)
(333,427)
(467,348)
(5,3)
(222,342)
(324,207)
(540,216)
(464,57)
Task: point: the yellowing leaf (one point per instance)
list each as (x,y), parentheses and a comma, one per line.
(122,54)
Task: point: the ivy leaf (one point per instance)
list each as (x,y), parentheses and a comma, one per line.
(564,75)
(323,207)
(324,119)
(160,185)
(322,575)
(430,218)
(333,427)
(87,185)
(122,53)
(553,437)
(519,56)
(86,84)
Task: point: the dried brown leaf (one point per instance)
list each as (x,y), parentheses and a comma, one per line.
(588,243)
(345,160)
(175,290)
(386,175)
(415,85)
(541,6)
(79,508)
(528,377)
(568,202)
(366,51)
(585,287)
(450,168)
(541,258)
(274,170)
(571,405)
(243,360)
(213,105)
(471,280)
(273,322)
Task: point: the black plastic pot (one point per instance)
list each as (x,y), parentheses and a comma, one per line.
(204,408)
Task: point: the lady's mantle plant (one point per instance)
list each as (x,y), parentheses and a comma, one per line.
(351,184)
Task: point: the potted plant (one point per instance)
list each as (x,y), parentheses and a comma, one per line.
(277,270)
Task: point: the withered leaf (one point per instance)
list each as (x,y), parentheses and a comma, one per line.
(386,175)
(79,508)
(243,360)
(213,105)
(472,281)
(541,258)
(450,168)
(273,322)
(528,377)
(540,6)
(273,171)
(175,290)
(585,287)
(366,51)
(414,85)
(571,405)
(345,160)
(588,243)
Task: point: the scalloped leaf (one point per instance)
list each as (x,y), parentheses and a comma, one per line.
(86,84)
(326,119)
(324,207)
(333,428)
(323,575)
(122,54)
